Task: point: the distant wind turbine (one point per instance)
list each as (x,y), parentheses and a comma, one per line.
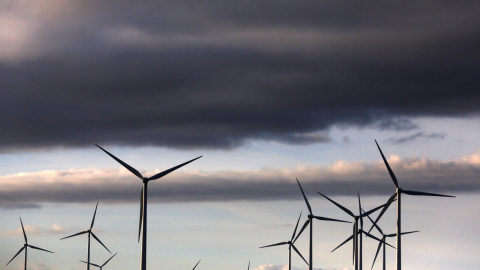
(196,265)
(356,230)
(290,246)
(25,246)
(142,227)
(101,266)
(248,268)
(383,242)
(310,221)
(89,231)
(397,195)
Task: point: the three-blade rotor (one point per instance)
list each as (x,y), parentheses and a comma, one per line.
(398,189)
(145,181)
(26,245)
(291,243)
(89,231)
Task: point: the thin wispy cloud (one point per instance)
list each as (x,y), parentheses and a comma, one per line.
(416,136)
(338,178)
(35,230)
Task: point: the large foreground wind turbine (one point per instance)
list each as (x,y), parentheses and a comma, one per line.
(25,246)
(310,221)
(89,231)
(290,245)
(142,227)
(383,242)
(397,195)
(101,266)
(356,230)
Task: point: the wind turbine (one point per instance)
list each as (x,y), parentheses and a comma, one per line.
(397,195)
(290,245)
(356,230)
(310,221)
(142,226)
(90,233)
(101,266)
(196,265)
(383,242)
(25,246)
(248,268)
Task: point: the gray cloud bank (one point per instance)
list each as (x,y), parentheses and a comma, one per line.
(339,178)
(209,74)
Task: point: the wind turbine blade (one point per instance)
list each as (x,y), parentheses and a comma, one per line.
(295,231)
(109,259)
(196,265)
(305,197)
(360,211)
(96,238)
(84,232)
(24,234)
(159,175)
(16,255)
(374,224)
(373,210)
(301,230)
(94,213)
(277,244)
(409,232)
(299,254)
(394,234)
(390,200)
(91,264)
(330,219)
(371,236)
(248,268)
(376,254)
(338,205)
(344,242)
(392,175)
(34,247)
(354,242)
(128,167)
(141,216)
(421,193)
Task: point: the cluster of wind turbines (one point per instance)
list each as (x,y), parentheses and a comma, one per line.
(89,232)
(142,221)
(358,232)
(356,236)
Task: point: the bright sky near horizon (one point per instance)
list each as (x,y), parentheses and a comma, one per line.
(267,92)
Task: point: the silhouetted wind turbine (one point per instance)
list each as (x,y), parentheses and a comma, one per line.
(310,221)
(196,265)
(89,231)
(142,227)
(25,246)
(397,195)
(290,245)
(101,266)
(383,242)
(356,230)
(248,268)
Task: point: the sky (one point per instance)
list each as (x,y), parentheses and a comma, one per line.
(266,92)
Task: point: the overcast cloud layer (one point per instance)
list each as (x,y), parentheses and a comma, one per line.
(210,74)
(340,178)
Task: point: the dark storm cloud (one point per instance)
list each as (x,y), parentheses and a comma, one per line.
(215,74)
(341,178)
